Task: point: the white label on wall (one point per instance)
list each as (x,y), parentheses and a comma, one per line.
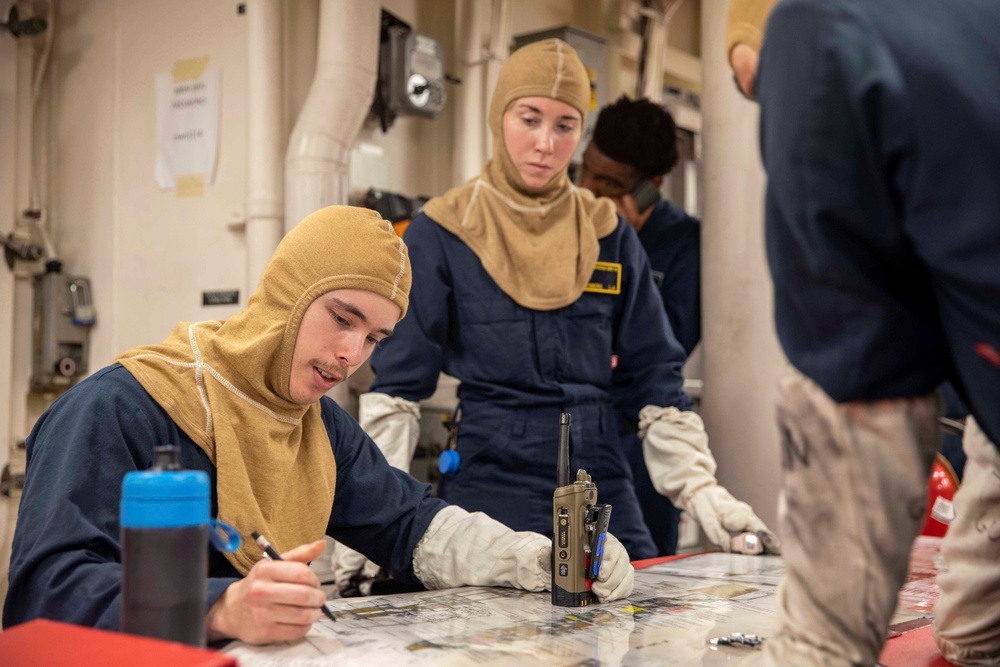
(187,126)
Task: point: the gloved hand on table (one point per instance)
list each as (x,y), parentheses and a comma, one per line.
(471,549)
(353,572)
(681,466)
(459,548)
(617,576)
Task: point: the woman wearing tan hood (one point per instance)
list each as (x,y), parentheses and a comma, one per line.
(533,294)
(243,400)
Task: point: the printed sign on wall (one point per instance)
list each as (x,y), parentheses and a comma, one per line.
(187,126)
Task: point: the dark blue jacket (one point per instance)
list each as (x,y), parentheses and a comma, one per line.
(66,561)
(672,240)
(880,133)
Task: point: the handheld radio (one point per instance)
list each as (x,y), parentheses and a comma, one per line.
(579,528)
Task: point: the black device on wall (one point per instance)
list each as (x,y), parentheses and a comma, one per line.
(28,27)
(411,73)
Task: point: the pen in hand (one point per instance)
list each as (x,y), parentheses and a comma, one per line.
(269,552)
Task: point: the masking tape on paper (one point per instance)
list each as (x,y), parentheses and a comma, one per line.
(189,70)
(190,185)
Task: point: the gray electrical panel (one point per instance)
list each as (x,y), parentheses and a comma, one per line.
(416,73)
(411,74)
(63,315)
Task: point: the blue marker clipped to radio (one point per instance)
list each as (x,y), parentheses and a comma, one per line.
(165,532)
(596,523)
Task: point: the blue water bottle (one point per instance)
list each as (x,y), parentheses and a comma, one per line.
(165,531)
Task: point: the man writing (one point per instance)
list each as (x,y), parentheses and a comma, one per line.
(244,401)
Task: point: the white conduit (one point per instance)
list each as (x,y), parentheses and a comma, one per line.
(317,160)
(500,35)
(16,374)
(24,105)
(651,79)
(470,105)
(483,40)
(265,192)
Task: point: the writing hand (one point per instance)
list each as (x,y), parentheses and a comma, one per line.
(276,601)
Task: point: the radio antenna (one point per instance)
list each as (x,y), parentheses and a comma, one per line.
(562,464)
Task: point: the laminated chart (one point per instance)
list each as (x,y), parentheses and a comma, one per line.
(674,611)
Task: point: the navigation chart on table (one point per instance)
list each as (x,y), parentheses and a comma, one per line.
(675,609)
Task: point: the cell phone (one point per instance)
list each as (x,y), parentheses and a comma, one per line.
(645,194)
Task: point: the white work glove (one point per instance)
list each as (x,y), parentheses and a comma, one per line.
(394,424)
(352,571)
(471,549)
(617,576)
(675,448)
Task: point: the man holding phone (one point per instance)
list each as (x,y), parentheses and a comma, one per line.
(634,145)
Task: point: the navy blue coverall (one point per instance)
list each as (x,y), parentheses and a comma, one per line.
(519,368)
(66,560)
(672,241)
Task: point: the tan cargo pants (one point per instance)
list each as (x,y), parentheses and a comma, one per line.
(854,492)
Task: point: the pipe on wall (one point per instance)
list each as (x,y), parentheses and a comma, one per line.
(470,109)
(483,40)
(318,155)
(650,84)
(265,194)
(500,38)
(16,375)
(24,105)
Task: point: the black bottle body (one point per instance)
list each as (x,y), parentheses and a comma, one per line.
(165,583)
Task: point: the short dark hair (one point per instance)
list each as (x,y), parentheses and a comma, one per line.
(638,133)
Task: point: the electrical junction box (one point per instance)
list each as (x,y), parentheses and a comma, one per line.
(416,73)
(63,315)
(411,73)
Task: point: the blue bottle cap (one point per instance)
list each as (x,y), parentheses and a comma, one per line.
(448,462)
(165,499)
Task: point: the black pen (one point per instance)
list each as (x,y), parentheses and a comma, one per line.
(269,552)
